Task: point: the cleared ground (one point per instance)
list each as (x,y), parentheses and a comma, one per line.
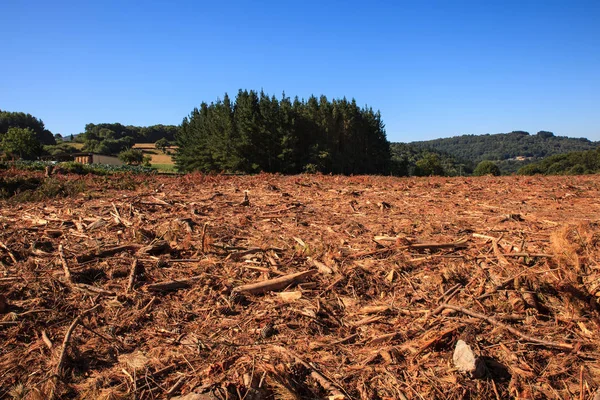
(270,287)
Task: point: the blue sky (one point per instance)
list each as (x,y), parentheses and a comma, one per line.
(433,68)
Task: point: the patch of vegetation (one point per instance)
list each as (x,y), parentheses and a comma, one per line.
(134,157)
(409,160)
(61,148)
(165,167)
(486,168)
(574,163)
(24,189)
(77,168)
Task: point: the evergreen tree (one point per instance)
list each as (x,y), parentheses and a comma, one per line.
(258,132)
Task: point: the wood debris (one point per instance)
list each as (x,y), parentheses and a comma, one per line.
(311,287)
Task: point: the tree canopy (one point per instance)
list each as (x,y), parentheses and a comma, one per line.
(257,132)
(21,120)
(21,143)
(134,157)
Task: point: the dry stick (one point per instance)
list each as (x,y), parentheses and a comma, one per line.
(280,210)
(108,252)
(323,381)
(156,247)
(132,274)
(63,352)
(507,281)
(275,284)
(441,307)
(530,255)
(175,388)
(47,340)
(342,341)
(173,285)
(417,246)
(581,392)
(63,261)
(447,292)
(145,309)
(88,289)
(514,331)
(501,259)
(240,254)
(10,254)
(382,338)
(203,238)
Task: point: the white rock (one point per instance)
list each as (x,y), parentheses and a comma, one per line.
(466,361)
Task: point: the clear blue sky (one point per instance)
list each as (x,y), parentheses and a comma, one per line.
(433,68)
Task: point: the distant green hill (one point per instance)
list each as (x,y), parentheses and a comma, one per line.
(510,150)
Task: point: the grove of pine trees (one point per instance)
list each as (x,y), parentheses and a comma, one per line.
(256,132)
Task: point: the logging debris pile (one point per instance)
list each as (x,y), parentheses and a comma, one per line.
(303,287)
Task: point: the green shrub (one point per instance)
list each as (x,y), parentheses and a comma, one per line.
(76,168)
(11,186)
(531,169)
(486,168)
(311,168)
(577,170)
(132,157)
(49,189)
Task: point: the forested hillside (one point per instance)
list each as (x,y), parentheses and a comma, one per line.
(505,146)
(257,132)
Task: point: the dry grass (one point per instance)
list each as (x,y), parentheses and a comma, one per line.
(371,324)
(158,157)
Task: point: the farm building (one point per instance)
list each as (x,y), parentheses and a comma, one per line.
(93,158)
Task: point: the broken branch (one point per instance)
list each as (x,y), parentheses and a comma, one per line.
(514,331)
(275,284)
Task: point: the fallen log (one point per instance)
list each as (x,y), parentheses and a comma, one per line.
(275,284)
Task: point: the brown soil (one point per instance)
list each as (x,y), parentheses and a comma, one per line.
(159,291)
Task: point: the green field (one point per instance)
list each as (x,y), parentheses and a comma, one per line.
(164,168)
